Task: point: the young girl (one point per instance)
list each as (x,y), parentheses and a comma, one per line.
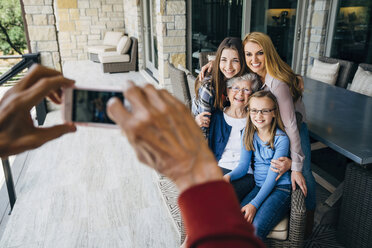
(265,139)
(211,92)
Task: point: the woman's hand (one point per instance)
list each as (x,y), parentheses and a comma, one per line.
(226,178)
(17,130)
(206,68)
(281,166)
(203,119)
(297,177)
(249,212)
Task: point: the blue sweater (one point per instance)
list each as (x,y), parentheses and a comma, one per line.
(219,133)
(263,154)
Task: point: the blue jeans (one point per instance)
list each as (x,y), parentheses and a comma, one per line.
(243,185)
(272,210)
(310,200)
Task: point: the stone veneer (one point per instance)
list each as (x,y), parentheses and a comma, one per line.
(315,32)
(133,25)
(78,23)
(171,35)
(42,31)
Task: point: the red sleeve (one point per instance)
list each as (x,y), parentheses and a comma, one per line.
(212,217)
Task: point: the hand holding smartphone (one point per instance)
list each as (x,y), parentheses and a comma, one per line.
(87,106)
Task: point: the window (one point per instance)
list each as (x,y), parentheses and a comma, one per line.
(352,34)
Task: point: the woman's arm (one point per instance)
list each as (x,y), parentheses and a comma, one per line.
(287,113)
(244,163)
(281,149)
(205,99)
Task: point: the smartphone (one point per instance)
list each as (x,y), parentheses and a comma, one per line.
(87,106)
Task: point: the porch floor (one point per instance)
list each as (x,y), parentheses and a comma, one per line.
(87,189)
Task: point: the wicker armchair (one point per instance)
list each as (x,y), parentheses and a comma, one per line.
(297,223)
(191,83)
(179,84)
(345,72)
(117,65)
(203,58)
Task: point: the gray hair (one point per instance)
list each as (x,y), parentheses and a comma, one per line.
(250,77)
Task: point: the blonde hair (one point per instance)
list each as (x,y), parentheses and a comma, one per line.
(274,65)
(276,122)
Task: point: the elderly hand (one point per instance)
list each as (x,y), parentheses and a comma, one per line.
(205,69)
(17,130)
(165,136)
(281,166)
(203,119)
(249,212)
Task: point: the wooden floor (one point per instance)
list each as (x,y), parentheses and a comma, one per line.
(87,189)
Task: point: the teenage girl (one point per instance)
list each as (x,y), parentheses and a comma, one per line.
(265,139)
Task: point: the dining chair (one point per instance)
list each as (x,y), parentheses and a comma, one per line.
(203,58)
(179,84)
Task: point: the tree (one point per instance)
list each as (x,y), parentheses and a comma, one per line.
(12,35)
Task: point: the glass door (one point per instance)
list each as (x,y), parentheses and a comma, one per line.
(282,21)
(149,30)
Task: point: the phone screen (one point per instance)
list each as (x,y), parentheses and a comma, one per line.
(90,106)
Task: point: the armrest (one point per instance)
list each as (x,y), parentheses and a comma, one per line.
(297,217)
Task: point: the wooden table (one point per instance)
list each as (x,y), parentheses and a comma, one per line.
(342,120)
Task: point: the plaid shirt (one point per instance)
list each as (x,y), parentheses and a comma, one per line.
(204,102)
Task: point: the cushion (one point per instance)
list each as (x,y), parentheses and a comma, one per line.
(324,72)
(362,82)
(101,49)
(124,45)
(113,57)
(180,67)
(280,231)
(211,57)
(112,38)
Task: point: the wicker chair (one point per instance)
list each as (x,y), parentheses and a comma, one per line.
(203,58)
(191,83)
(345,72)
(179,84)
(296,230)
(131,65)
(108,45)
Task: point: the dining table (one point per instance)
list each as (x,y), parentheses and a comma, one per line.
(342,120)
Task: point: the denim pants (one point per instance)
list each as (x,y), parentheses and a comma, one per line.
(272,210)
(310,200)
(243,185)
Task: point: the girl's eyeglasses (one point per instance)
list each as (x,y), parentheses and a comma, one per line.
(237,89)
(262,111)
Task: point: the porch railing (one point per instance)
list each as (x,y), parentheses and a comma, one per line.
(26,62)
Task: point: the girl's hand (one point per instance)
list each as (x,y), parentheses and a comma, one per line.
(203,119)
(249,212)
(281,166)
(297,177)
(206,68)
(226,178)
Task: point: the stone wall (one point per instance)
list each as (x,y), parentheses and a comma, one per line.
(315,33)
(82,23)
(42,31)
(133,25)
(171,34)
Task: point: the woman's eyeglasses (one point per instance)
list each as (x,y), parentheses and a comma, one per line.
(237,89)
(262,111)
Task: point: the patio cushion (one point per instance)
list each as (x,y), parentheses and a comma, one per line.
(101,49)
(280,231)
(362,82)
(123,45)
(113,57)
(112,38)
(324,72)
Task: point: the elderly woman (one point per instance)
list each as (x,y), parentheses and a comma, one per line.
(225,129)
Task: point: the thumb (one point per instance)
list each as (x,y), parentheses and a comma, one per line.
(46,134)
(279,176)
(117,112)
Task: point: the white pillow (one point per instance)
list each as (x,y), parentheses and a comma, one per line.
(112,38)
(123,45)
(362,82)
(324,72)
(211,57)
(180,67)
